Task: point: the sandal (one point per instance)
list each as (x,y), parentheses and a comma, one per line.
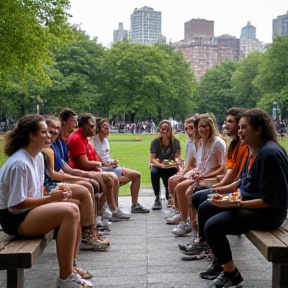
(83,272)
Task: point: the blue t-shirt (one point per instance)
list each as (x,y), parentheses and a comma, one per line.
(60,148)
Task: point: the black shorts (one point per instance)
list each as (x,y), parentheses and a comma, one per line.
(11,221)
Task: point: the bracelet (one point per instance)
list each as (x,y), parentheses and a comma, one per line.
(239,204)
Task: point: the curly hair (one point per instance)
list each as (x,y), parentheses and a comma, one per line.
(19,136)
(261,119)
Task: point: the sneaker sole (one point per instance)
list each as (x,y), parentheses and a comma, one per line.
(178,234)
(196,253)
(208,277)
(157,208)
(141,212)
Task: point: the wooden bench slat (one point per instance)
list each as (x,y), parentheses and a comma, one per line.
(273,249)
(281,234)
(22,254)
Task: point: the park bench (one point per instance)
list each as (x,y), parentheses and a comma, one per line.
(19,254)
(273,245)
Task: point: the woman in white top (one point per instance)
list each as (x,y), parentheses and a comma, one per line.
(189,163)
(210,161)
(125,175)
(24,209)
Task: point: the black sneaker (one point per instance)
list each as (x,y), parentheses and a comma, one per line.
(226,280)
(157,205)
(197,248)
(213,271)
(138,208)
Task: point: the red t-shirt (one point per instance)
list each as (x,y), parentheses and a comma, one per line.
(78,144)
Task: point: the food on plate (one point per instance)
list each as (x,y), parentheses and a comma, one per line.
(216,197)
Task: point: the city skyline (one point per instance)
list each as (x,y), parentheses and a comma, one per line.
(101,18)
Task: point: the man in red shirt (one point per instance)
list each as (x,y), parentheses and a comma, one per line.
(82,155)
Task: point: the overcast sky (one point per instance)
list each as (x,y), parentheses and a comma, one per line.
(100,17)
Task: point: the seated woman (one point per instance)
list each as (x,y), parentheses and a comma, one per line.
(210,161)
(165,158)
(263,189)
(24,209)
(91,240)
(125,175)
(189,163)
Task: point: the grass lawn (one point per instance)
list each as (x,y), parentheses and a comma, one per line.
(133,152)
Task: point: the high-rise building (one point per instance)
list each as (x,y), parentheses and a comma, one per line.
(121,34)
(202,50)
(250,45)
(198,28)
(248,31)
(146,26)
(280,26)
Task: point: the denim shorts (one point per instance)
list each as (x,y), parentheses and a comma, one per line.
(10,222)
(119,171)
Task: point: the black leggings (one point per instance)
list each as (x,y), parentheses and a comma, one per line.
(215,223)
(164,174)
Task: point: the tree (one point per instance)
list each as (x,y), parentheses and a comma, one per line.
(28,29)
(214,92)
(247,95)
(143,80)
(76,75)
(272,80)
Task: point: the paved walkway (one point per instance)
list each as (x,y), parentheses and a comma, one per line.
(144,253)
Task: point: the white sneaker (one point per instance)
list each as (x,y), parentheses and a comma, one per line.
(174,220)
(121,214)
(106,214)
(182,229)
(102,222)
(74,281)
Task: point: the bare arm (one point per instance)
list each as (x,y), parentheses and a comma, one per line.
(228,178)
(82,162)
(155,161)
(57,195)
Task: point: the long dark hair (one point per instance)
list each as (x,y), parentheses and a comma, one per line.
(261,119)
(170,138)
(19,136)
(234,144)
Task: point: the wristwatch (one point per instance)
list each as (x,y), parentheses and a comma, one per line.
(239,204)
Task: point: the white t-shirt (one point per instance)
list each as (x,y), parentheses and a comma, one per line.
(102,148)
(212,155)
(190,150)
(21,177)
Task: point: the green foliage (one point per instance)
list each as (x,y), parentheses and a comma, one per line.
(147,80)
(214,91)
(28,29)
(247,95)
(272,80)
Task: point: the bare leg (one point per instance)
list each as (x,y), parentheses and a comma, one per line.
(181,198)
(45,218)
(82,194)
(135,178)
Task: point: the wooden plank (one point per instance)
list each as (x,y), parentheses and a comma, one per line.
(23,253)
(269,246)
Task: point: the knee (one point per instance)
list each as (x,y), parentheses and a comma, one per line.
(72,211)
